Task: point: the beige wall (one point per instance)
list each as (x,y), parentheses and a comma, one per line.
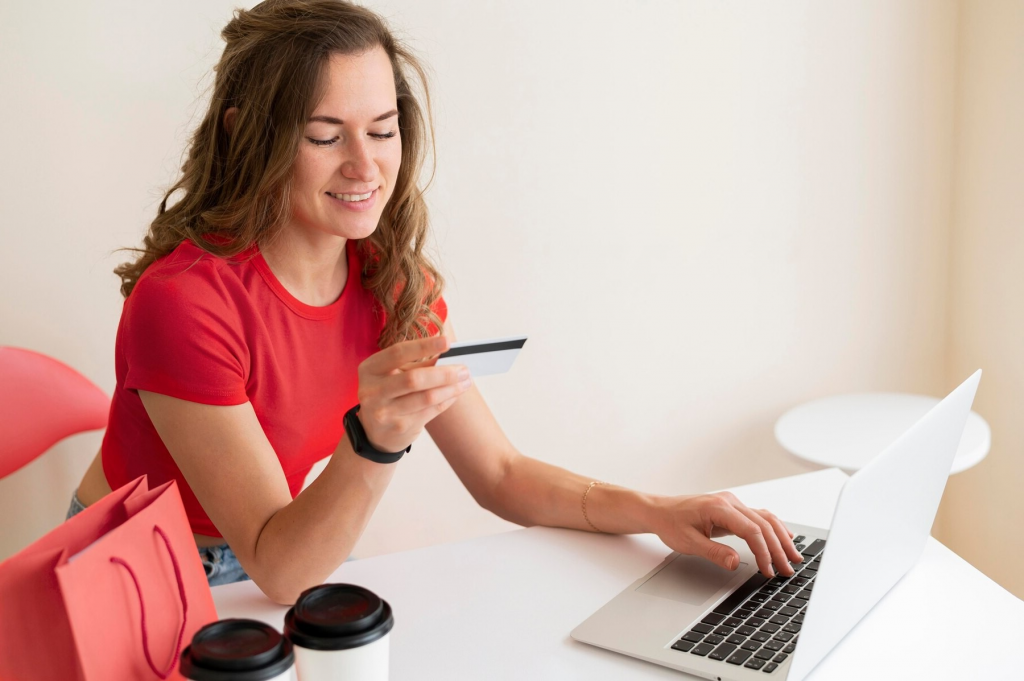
(701,213)
(983,509)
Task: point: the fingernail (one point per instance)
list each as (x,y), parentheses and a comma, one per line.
(463,375)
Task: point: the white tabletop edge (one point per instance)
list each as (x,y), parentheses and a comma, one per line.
(501,606)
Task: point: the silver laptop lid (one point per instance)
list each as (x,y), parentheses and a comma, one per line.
(881,523)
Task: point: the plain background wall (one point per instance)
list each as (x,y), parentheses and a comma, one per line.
(983,510)
(702,213)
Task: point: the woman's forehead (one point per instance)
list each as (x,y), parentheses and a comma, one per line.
(358,86)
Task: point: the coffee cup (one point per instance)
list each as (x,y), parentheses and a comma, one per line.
(340,632)
(238,650)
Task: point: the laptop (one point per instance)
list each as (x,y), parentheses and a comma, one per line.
(691,615)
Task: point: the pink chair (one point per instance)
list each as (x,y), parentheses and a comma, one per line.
(42,401)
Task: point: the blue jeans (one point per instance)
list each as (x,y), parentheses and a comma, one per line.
(220,562)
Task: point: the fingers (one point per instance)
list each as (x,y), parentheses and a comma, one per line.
(401,389)
(725,515)
(693,521)
(422,362)
(719,554)
(421,383)
(406,426)
(414,402)
(771,543)
(783,534)
(396,408)
(432,412)
(416,364)
(393,358)
(779,559)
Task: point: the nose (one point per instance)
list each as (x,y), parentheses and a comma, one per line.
(359,164)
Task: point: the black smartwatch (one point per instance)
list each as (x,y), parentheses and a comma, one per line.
(361,444)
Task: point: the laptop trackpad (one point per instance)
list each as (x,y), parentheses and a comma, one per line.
(689,579)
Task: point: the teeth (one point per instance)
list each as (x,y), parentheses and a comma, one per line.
(352,197)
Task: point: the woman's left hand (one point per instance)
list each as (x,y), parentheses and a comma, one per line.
(687,524)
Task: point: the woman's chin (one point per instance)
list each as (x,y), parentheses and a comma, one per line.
(351,231)
(358,234)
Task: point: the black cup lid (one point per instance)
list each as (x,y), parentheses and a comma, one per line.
(236,650)
(336,617)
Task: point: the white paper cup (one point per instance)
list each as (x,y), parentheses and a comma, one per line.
(340,632)
(238,650)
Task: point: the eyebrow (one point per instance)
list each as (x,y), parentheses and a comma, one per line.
(338,121)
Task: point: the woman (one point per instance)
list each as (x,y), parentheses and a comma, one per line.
(282,311)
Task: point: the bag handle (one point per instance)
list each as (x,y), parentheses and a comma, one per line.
(142,608)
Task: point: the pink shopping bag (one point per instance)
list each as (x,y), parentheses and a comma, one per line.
(116,592)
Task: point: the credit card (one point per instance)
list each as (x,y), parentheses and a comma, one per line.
(484,357)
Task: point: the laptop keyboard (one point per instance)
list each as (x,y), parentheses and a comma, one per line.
(758,625)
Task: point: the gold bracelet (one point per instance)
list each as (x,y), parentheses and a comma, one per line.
(584,504)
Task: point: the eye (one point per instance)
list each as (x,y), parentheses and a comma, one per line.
(383,136)
(323,143)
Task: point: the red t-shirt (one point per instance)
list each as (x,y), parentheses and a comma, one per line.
(226,331)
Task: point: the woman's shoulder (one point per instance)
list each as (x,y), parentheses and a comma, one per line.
(189,267)
(183,330)
(190,279)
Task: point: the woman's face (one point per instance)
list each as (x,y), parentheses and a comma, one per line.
(350,151)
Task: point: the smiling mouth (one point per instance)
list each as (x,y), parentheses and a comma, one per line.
(351,198)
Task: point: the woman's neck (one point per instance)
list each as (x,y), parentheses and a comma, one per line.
(314,270)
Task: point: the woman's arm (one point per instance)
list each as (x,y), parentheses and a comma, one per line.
(530,492)
(288,545)
(284,545)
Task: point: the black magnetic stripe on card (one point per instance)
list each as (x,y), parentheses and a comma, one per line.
(485,347)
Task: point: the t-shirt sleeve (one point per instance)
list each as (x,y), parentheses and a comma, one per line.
(184,338)
(440,308)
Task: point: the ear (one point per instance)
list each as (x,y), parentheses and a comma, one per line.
(229,119)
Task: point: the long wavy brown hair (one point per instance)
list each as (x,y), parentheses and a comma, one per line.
(235,188)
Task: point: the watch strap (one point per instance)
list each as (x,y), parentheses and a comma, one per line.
(361,443)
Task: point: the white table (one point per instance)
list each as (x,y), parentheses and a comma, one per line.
(847,431)
(501,607)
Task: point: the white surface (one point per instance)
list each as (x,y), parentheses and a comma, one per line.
(484,363)
(365,663)
(501,607)
(847,431)
(887,509)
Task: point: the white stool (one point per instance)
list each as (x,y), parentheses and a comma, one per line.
(847,431)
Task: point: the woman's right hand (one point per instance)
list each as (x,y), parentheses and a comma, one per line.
(401,390)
